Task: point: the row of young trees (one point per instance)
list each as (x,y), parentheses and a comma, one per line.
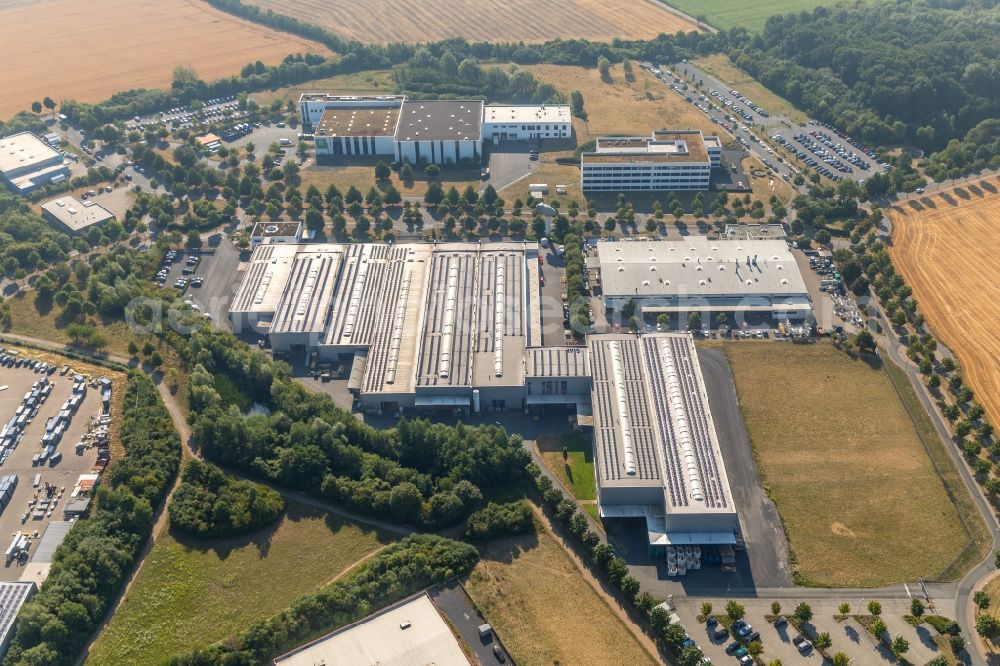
(419,472)
(414,563)
(90,566)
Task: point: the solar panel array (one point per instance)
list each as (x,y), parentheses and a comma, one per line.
(685,427)
(12,597)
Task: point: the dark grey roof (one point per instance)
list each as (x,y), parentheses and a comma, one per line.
(440,120)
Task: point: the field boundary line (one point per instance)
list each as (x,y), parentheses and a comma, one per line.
(937,470)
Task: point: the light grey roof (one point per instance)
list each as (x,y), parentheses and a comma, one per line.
(697,266)
(557,362)
(652,421)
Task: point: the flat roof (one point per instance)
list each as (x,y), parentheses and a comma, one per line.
(269,229)
(440,120)
(12,597)
(683,146)
(527,113)
(408,633)
(265,279)
(350,99)
(699,267)
(358,121)
(77,215)
(305,303)
(652,421)
(557,362)
(18,151)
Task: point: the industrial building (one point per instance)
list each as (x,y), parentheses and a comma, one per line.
(666,160)
(736,277)
(27,163)
(12,597)
(411,631)
(67,213)
(656,450)
(423,325)
(520,122)
(423,131)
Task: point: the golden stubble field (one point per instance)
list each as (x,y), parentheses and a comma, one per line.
(89,50)
(945,246)
(382,21)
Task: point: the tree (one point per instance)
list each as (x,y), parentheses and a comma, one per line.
(706,609)
(916,607)
(841,659)
(432,171)
(49,104)
(879,628)
(734,610)
(604,67)
(694,321)
(981,599)
(775,608)
(899,646)
(576,104)
(627,69)
(382,171)
(874,608)
(691,656)
(803,612)
(406,172)
(823,641)
(36,107)
(864,341)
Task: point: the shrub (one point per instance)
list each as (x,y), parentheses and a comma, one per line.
(211,503)
(499,520)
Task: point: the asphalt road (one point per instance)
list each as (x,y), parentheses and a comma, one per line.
(452,600)
(767,547)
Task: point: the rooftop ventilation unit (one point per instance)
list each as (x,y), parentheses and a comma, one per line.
(623,418)
(448,329)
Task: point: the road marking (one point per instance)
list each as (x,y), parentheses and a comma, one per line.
(907,588)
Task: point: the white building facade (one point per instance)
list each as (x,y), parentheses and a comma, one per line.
(678,160)
(522,122)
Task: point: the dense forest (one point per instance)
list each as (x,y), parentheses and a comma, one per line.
(211,503)
(419,473)
(903,71)
(91,564)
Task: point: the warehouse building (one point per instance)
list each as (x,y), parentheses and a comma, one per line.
(520,122)
(27,163)
(411,631)
(742,278)
(424,131)
(67,213)
(667,160)
(656,450)
(423,325)
(12,597)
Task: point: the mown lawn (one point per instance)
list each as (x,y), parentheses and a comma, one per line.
(192,593)
(858,495)
(576,471)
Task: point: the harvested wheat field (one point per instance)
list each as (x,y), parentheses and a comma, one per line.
(858,495)
(945,245)
(382,21)
(87,51)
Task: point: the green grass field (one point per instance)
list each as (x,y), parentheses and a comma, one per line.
(577,470)
(726,14)
(859,497)
(192,593)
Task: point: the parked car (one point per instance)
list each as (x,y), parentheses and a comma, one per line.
(498,653)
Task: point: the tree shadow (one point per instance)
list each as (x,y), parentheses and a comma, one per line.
(852,634)
(926,638)
(976,190)
(962,193)
(988,186)
(915,205)
(510,549)
(568,470)
(948,199)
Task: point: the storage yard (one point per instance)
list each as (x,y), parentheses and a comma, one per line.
(943,244)
(79,62)
(521,20)
(56,439)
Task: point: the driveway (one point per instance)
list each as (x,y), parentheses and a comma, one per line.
(452,601)
(509,162)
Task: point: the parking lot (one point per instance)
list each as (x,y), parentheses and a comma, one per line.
(24,511)
(831,307)
(205,279)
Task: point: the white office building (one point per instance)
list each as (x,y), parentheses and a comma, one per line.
(521,122)
(676,160)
